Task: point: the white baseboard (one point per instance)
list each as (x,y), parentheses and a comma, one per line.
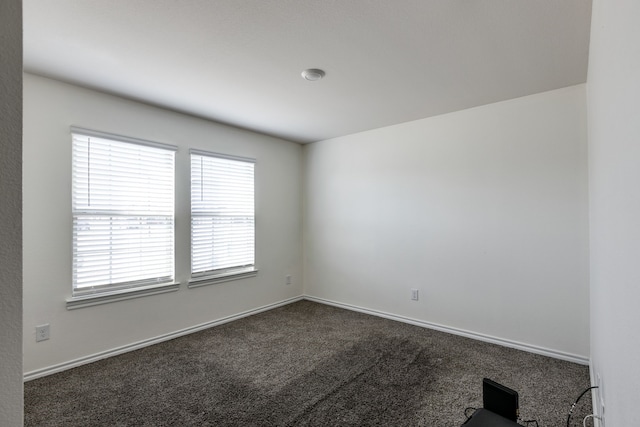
(456,331)
(145,343)
(595,395)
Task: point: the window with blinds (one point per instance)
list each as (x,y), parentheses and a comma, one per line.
(222,215)
(123,213)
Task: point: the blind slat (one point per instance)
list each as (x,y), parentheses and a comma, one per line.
(223,213)
(123,214)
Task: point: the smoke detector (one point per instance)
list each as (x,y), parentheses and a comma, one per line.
(313,74)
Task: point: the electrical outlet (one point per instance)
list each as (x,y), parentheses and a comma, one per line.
(42,332)
(414,294)
(288,279)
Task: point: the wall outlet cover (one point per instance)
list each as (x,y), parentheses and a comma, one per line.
(42,332)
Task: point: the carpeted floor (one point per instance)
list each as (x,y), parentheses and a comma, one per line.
(305,364)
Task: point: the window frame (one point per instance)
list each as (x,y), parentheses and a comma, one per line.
(108,292)
(209,277)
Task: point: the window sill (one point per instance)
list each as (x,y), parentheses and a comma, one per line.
(220,278)
(109,297)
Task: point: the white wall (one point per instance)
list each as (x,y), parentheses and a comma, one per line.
(614,191)
(50,107)
(10,208)
(483,210)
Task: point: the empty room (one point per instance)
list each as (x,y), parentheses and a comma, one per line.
(298,213)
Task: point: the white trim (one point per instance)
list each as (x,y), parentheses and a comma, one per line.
(38,373)
(197,152)
(88,300)
(220,278)
(595,395)
(461,332)
(121,138)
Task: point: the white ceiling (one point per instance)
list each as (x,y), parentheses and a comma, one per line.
(239,61)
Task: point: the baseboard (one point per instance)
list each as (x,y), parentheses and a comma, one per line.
(145,343)
(595,394)
(456,331)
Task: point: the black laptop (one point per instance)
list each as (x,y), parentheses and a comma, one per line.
(484,418)
(500,407)
(499,399)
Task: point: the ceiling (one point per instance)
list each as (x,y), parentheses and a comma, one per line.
(239,61)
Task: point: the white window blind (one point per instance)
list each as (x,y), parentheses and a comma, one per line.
(123,213)
(222,215)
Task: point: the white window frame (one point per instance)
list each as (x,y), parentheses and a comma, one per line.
(155,278)
(247,268)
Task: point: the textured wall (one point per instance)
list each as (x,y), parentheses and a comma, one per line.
(10,212)
(484,211)
(614,194)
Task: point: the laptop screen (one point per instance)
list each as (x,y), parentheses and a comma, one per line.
(500,399)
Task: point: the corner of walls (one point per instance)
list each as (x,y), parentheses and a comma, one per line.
(483,211)
(50,108)
(613,89)
(306,148)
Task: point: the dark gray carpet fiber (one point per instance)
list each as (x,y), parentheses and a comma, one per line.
(305,364)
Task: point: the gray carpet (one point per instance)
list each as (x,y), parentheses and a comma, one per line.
(305,364)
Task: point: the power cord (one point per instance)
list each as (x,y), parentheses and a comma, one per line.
(465,413)
(584,421)
(576,402)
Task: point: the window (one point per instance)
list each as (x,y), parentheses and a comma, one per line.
(123,213)
(222,217)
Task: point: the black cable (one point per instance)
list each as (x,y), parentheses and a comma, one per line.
(576,402)
(531,421)
(465,413)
